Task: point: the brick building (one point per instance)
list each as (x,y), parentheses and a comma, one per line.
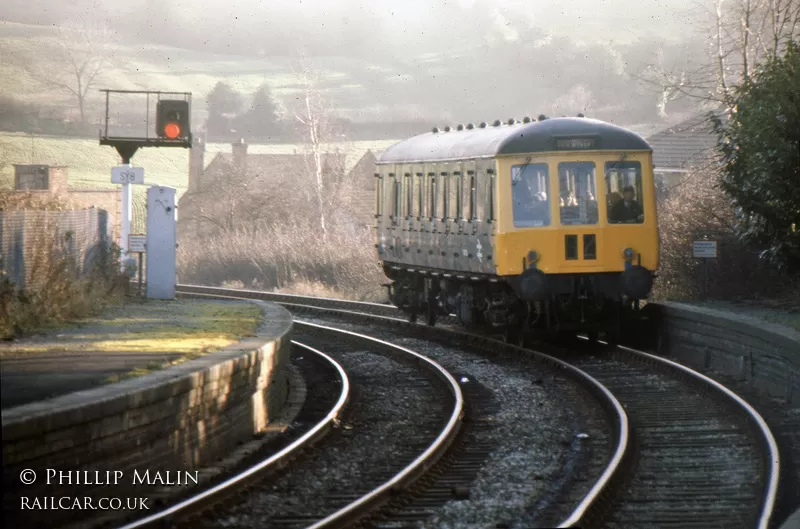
(53,180)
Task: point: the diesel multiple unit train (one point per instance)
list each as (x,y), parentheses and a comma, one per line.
(545,225)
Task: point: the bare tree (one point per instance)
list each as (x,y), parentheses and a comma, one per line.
(83,53)
(578,99)
(314,113)
(237,199)
(741,34)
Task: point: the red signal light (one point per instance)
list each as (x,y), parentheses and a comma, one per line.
(172,130)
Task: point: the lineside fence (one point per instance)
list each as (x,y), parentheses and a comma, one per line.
(77,234)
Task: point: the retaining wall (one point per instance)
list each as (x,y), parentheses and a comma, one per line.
(758,352)
(178,419)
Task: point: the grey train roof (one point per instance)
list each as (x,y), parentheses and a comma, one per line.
(519,138)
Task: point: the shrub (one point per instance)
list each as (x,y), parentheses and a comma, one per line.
(695,209)
(58,290)
(289,256)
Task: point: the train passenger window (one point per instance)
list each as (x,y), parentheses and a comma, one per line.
(433,196)
(529,190)
(454,196)
(408,191)
(577,193)
(419,208)
(379,195)
(397,200)
(624,193)
(470,194)
(443,196)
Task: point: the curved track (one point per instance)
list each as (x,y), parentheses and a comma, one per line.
(315,431)
(418,443)
(694,439)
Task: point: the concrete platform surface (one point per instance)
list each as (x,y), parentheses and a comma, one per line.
(131,339)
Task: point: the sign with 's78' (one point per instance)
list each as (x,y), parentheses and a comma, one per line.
(127,175)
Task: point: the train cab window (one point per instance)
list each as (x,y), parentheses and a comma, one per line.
(529,194)
(577,193)
(624,193)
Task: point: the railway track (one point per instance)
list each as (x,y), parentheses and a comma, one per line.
(403,412)
(699,456)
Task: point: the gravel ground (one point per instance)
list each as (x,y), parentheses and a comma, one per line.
(544,433)
(377,437)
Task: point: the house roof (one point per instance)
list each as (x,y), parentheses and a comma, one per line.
(517,138)
(268,166)
(683,145)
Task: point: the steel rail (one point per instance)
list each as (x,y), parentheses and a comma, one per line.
(424,461)
(313,435)
(576,517)
(768,439)
(614,408)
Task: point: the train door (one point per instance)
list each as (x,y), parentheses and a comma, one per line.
(578,214)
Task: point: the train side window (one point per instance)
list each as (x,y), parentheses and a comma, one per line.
(529,194)
(454,196)
(396,202)
(420,211)
(470,194)
(624,193)
(433,196)
(444,196)
(379,195)
(577,193)
(408,191)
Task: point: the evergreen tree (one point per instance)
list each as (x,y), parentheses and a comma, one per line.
(224,104)
(261,119)
(760,146)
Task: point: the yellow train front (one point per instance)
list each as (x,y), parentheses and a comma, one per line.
(545,224)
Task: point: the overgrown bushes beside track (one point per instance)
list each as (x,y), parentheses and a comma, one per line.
(290,257)
(57,288)
(697,208)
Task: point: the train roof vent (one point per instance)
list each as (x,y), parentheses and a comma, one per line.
(526,119)
(496,123)
(511,121)
(447,128)
(460,127)
(470,126)
(482,125)
(435,130)
(580,115)
(542,117)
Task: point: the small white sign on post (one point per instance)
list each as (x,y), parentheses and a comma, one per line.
(127,175)
(705,249)
(137,243)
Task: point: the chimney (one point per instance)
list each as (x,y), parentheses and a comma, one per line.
(196,163)
(239,154)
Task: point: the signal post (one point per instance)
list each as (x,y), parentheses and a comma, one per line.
(172,129)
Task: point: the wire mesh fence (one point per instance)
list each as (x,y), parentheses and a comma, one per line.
(78,236)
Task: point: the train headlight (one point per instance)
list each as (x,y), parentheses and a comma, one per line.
(533,256)
(627,253)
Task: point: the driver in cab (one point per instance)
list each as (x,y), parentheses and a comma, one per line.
(627,209)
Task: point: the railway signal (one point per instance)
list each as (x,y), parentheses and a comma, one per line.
(172,119)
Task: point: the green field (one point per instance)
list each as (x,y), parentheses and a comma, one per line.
(89,163)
